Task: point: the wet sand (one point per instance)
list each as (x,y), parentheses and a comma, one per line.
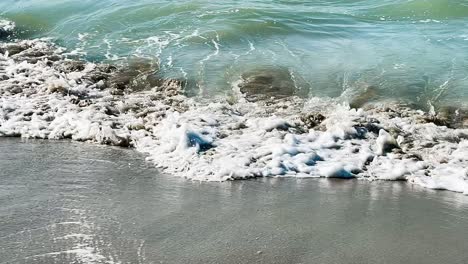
(67,202)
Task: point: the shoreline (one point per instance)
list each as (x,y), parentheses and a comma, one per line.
(47,95)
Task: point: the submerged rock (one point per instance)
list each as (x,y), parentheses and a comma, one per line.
(13,49)
(368,95)
(142,75)
(138,75)
(264,83)
(448,116)
(99,75)
(72,65)
(453,117)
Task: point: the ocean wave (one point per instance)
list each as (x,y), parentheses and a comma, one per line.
(46,95)
(417,10)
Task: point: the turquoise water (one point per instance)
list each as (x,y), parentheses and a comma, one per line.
(415,50)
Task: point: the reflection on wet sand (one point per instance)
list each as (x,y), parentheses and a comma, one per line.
(68,202)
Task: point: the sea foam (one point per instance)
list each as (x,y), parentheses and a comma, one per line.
(44,94)
(6,27)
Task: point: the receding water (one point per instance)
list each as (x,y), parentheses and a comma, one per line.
(63,202)
(414,50)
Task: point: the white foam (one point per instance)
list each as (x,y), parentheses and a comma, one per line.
(6,26)
(215,140)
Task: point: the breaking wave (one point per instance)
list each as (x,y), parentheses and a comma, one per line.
(46,94)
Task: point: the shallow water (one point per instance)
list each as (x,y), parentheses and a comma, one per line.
(413,50)
(80,203)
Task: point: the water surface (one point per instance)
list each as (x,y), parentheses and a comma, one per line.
(414,50)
